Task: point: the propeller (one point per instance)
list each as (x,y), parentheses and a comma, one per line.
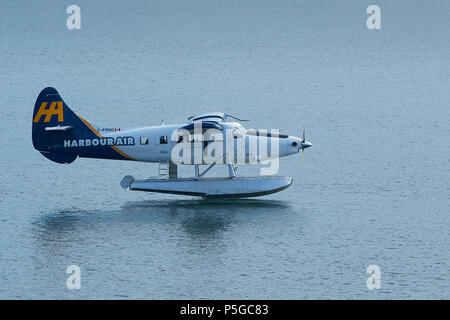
(303,139)
(305,144)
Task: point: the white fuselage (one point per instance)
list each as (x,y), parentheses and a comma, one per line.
(160,143)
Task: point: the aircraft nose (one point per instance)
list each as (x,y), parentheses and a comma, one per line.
(306,144)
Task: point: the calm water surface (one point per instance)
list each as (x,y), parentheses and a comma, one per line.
(373,189)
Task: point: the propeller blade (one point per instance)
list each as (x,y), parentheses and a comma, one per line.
(305,144)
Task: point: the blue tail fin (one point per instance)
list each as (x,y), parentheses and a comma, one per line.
(53,121)
(57,129)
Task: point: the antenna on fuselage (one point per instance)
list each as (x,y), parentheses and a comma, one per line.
(229,115)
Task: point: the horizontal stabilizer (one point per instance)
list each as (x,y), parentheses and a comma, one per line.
(58,128)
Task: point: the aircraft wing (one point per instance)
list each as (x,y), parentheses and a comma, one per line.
(208,116)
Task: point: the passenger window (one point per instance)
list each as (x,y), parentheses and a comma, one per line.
(163,140)
(144,140)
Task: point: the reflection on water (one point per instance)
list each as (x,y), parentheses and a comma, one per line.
(201,221)
(205,205)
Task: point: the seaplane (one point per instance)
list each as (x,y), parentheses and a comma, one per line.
(203,141)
